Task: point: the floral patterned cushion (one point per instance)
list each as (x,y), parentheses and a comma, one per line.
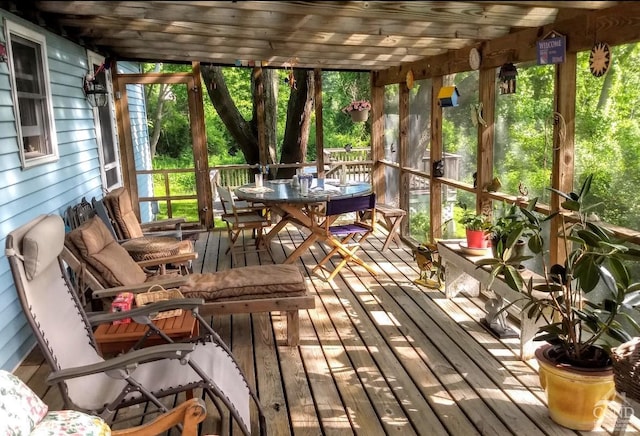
(71,422)
(20,407)
(23,413)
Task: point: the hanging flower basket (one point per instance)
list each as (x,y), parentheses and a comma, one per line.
(359,110)
(358,116)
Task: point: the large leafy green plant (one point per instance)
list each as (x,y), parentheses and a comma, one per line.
(587,302)
(472,221)
(512,224)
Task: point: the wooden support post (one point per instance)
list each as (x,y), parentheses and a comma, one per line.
(293,328)
(563,145)
(317,89)
(377,139)
(487,95)
(435,191)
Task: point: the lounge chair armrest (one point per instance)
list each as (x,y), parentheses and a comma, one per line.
(188,413)
(117,367)
(142,314)
(163,233)
(164,222)
(173,282)
(175,223)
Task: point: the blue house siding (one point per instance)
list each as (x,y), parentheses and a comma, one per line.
(48,188)
(141,146)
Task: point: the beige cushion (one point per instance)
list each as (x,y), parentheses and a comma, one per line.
(249,282)
(119,203)
(42,245)
(98,248)
(71,246)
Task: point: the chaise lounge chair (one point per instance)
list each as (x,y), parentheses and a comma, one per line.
(107,268)
(87,381)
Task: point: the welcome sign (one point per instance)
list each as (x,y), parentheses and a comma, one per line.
(552,49)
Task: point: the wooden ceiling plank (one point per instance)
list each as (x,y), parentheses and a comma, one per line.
(436,11)
(586,5)
(617,25)
(486,13)
(382,31)
(249,53)
(295,41)
(122,38)
(424,31)
(276,61)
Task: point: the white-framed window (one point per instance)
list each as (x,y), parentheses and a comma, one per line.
(105,122)
(29,75)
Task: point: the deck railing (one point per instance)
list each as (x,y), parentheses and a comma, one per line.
(356,163)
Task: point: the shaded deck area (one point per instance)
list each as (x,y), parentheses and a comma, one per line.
(378,355)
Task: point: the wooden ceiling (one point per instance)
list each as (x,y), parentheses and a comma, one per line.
(332,35)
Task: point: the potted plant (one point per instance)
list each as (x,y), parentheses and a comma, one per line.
(585,305)
(358,109)
(476,227)
(522,224)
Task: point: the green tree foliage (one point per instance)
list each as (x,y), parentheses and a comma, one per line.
(608,135)
(338,90)
(524,132)
(174,140)
(167,114)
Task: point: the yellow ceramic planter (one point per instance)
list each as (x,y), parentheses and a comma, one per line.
(577,398)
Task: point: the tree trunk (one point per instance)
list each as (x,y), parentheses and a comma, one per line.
(157,118)
(243,132)
(422,130)
(296,135)
(294,147)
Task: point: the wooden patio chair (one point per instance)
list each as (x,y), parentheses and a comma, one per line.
(346,239)
(125,222)
(77,214)
(140,244)
(238,220)
(92,384)
(143,248)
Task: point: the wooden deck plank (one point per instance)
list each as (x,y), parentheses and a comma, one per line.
(483,416)
(361,412)
(471,348)
(378,355)
(398,384)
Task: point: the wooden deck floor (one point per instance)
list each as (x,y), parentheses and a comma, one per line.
(378,355)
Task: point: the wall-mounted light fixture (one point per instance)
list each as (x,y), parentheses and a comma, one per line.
(507,75)
(3,52)
(95,93)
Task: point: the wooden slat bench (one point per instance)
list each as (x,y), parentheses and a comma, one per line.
(462,274)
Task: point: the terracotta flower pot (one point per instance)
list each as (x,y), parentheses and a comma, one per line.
(577,397)
(477,239)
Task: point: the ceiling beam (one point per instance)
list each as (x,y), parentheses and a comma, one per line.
(617,25)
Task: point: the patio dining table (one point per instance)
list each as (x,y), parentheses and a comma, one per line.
(295,207)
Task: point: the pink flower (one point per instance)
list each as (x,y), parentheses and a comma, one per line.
(359,105)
